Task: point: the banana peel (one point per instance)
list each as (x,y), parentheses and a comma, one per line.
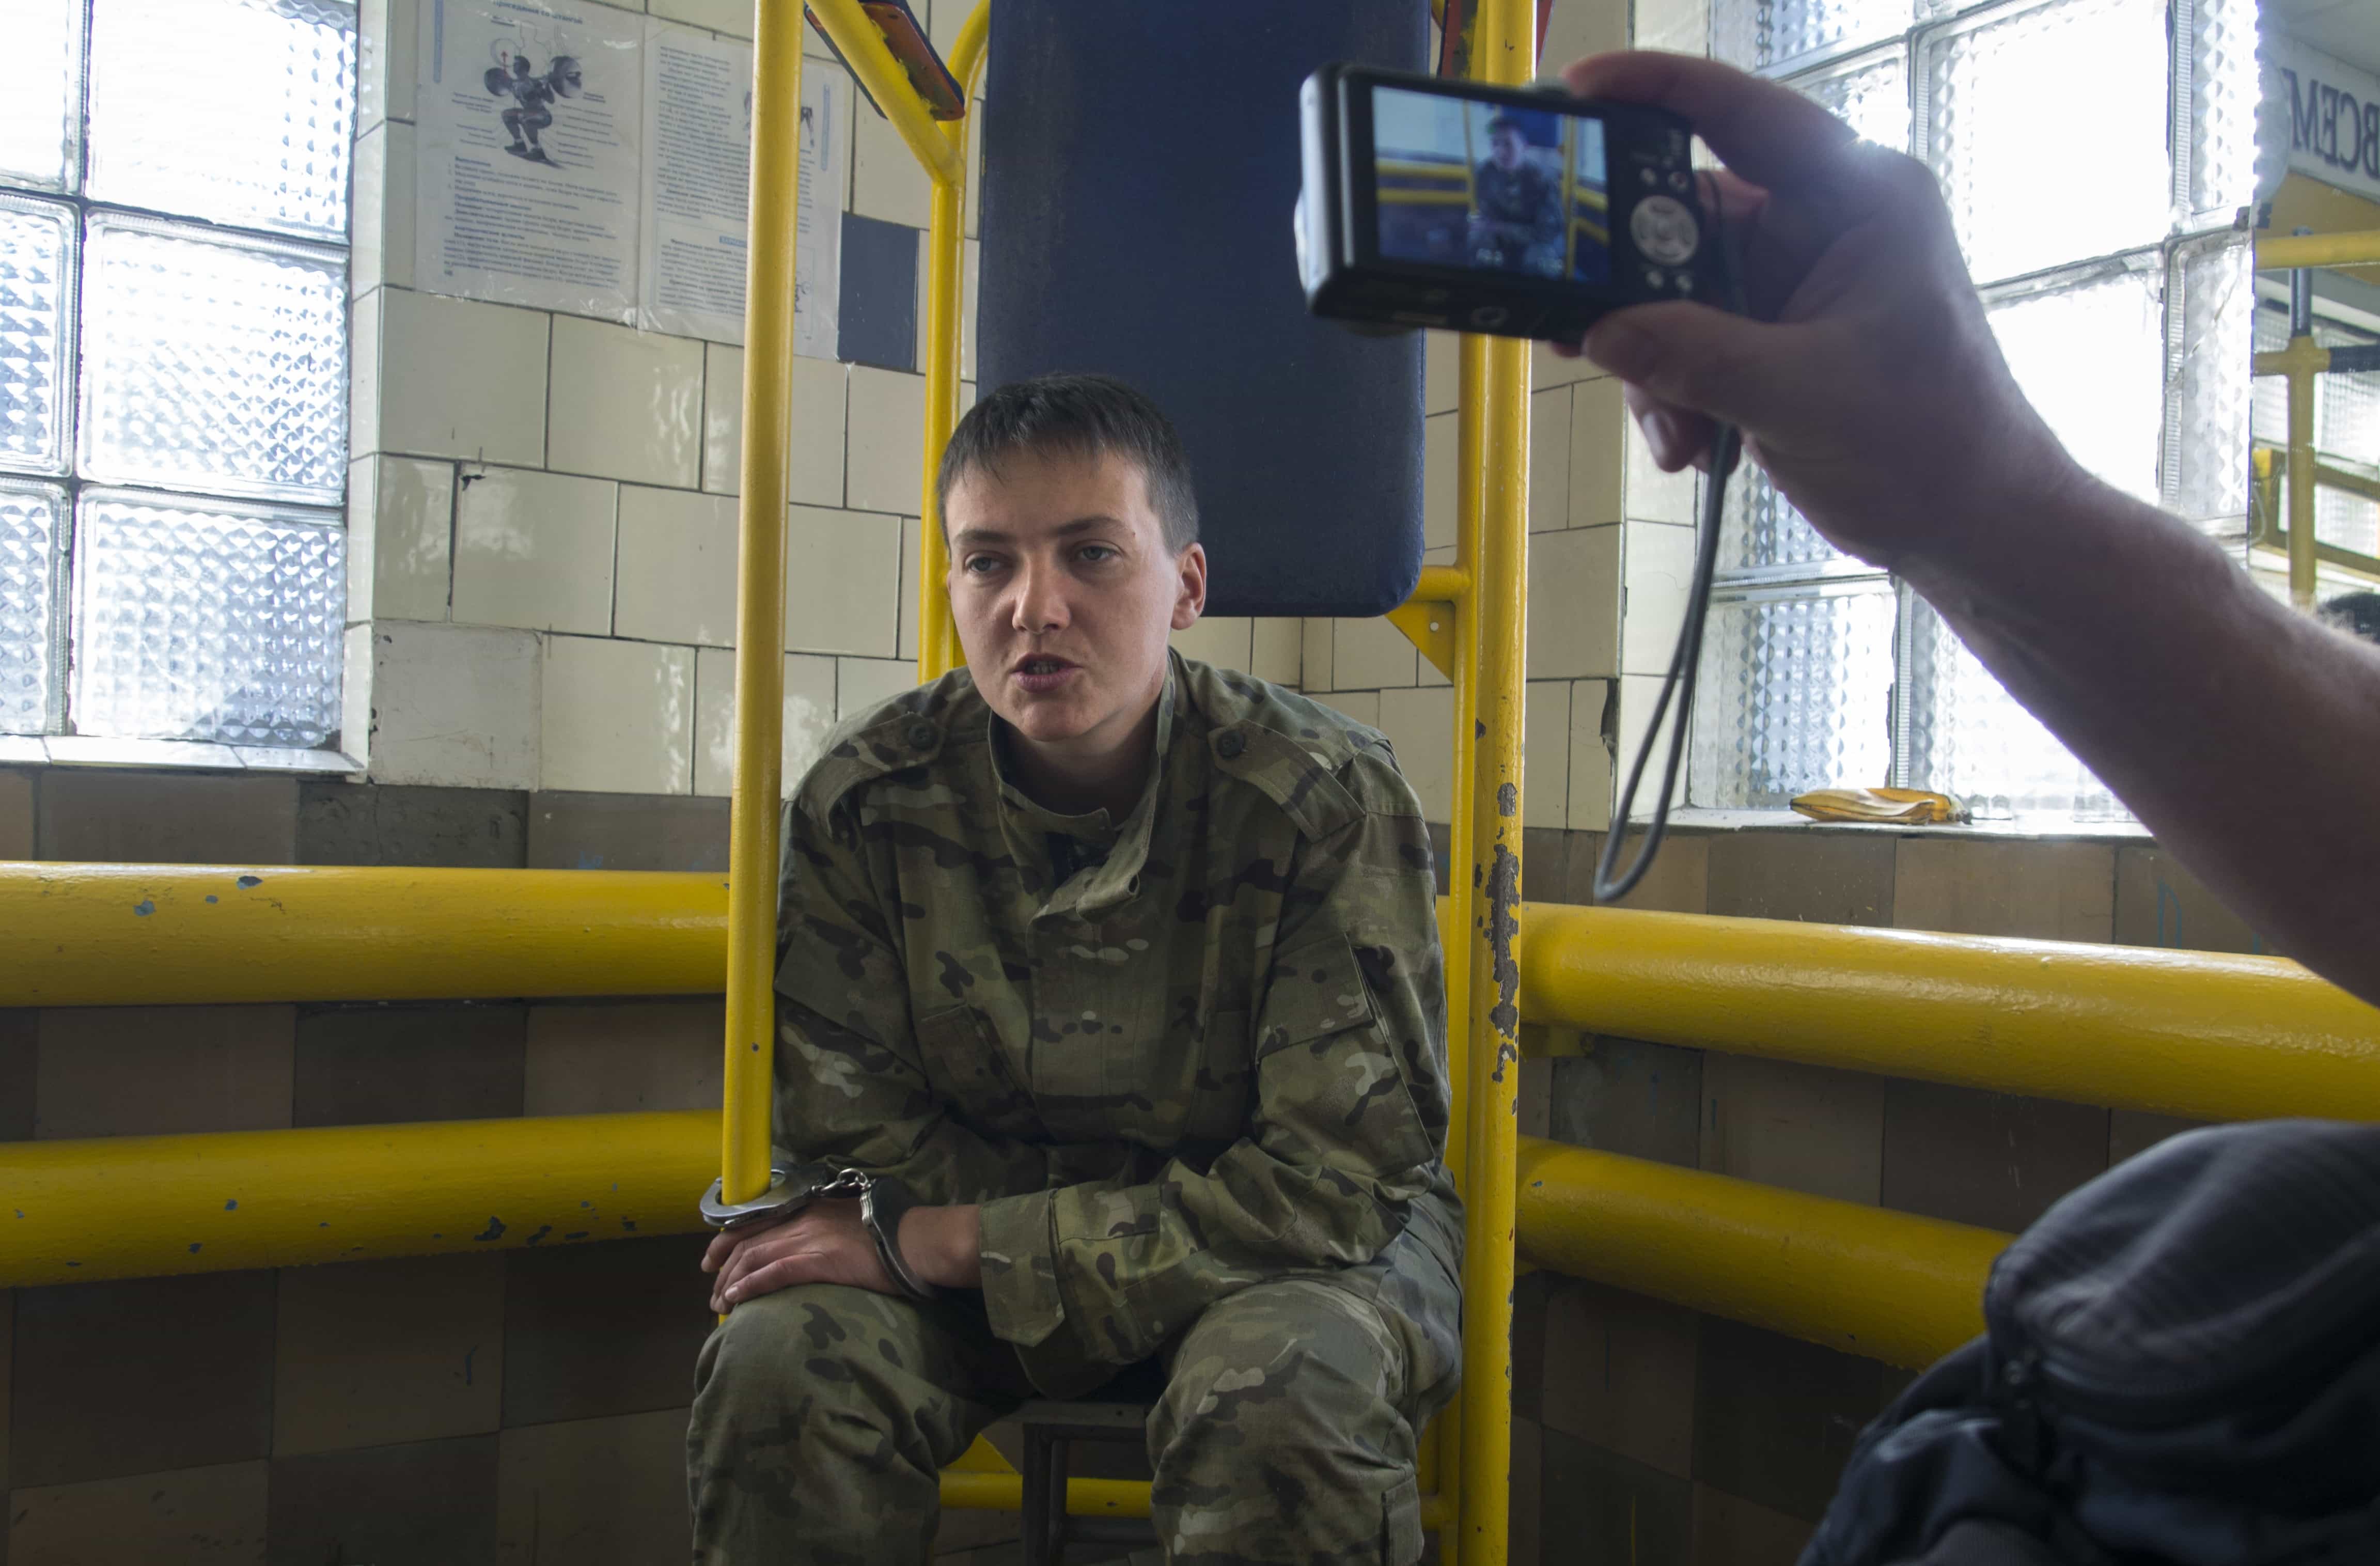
(1902,807)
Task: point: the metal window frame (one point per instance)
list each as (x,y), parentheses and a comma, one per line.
(59,722)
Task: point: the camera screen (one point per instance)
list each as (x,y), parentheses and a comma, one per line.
(1490,187)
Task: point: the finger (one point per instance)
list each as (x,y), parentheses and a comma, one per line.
(722,1246)
(783,1273)
(1699,359)
(1769,133)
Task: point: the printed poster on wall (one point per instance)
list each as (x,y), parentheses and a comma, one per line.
(698,145)
(527,120)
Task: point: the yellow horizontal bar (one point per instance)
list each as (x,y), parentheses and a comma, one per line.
(871,58)
(124,935)
(1890,1285)
(2205,1034)
(141,1207)
(2280,252)
(1442,584)
(1421,168)
(1400,196)
(971,1491)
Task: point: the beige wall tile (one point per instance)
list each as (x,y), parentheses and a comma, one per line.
(1278,652)
(1802,1127)
(623,1059)
(970,285)
(1544,760)
(886,181)
(677,566)
(364,432)
(593,1492)
(626,404)
(534,550)
(1652,495)
(882,467)
(1572,32)
(2159,902)
(454,705)
(861,683)
(1550,449)
(458,378)
(147,1071)
(722,417)
(1364,706)
(2049,891)
(1679,25)
(1441,372)
(1550,368)
(1228,641)
(1316,668)
(842,584)
(1639,694)
(1371,655)
(1597,443)
(910,539)
(1574,603)
(400,537)
(367,1353)
(382,238)
(1420,726)
(1441,446)
(733,17)
(1658,569)
(1590,758)
(617,717)
(215,1513)
(1620,1372)
(810,717)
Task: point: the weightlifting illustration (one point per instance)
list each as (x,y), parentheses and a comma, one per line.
(515,75)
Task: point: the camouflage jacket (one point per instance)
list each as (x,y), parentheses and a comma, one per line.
(1171,1056)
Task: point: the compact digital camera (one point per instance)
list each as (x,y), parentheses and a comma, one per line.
(1524,214)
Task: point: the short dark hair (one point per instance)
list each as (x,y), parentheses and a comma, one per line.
(1087,416)
(1506,122)
(2357,613)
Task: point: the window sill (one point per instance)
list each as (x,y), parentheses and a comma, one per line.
(87,750)
(2036,829)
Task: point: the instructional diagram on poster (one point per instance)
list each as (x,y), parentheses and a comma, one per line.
(582,159)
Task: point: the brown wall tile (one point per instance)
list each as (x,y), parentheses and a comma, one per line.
(378,1352)
(141,1071)
(142,817)
(389,824)
(20,1054)
(1522,1544)
(594,1492)
(1732,1531)
(372,1065)
(964,1529)
(1988,1159)
(599,1329)
(1804,1128)
(607,1059)
(214,1514)
(7,1356)
(141,1375)
(1632,1097)
(2046,891)
(1530,1293)
(1837,878)
(1600,1506)
(427,1501)
(1775,1417)
(1620,1373)
(2134,1132)
(16,814)
(627,831)
(1678,881)
(2160,904)
(1545,867)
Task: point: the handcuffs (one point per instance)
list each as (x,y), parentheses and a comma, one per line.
(883,1200)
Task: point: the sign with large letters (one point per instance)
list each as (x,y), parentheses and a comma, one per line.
(2328,112)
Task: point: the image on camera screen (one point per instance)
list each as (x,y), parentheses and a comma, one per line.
(1490,187)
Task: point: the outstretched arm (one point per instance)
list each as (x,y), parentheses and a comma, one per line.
(1868,383)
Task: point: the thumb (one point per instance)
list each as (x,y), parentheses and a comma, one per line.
(1693,357)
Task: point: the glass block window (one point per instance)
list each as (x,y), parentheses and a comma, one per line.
(174,368)
(2346,418)
(2124,303)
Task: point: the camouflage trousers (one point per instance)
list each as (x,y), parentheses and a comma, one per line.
(824,1416)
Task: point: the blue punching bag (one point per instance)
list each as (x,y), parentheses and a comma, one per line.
(1140,165)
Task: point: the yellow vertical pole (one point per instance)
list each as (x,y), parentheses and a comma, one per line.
(2303,360)
(938,651)
(761,597)
(1504,53)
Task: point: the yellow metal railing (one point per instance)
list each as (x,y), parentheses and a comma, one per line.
(2298,364)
